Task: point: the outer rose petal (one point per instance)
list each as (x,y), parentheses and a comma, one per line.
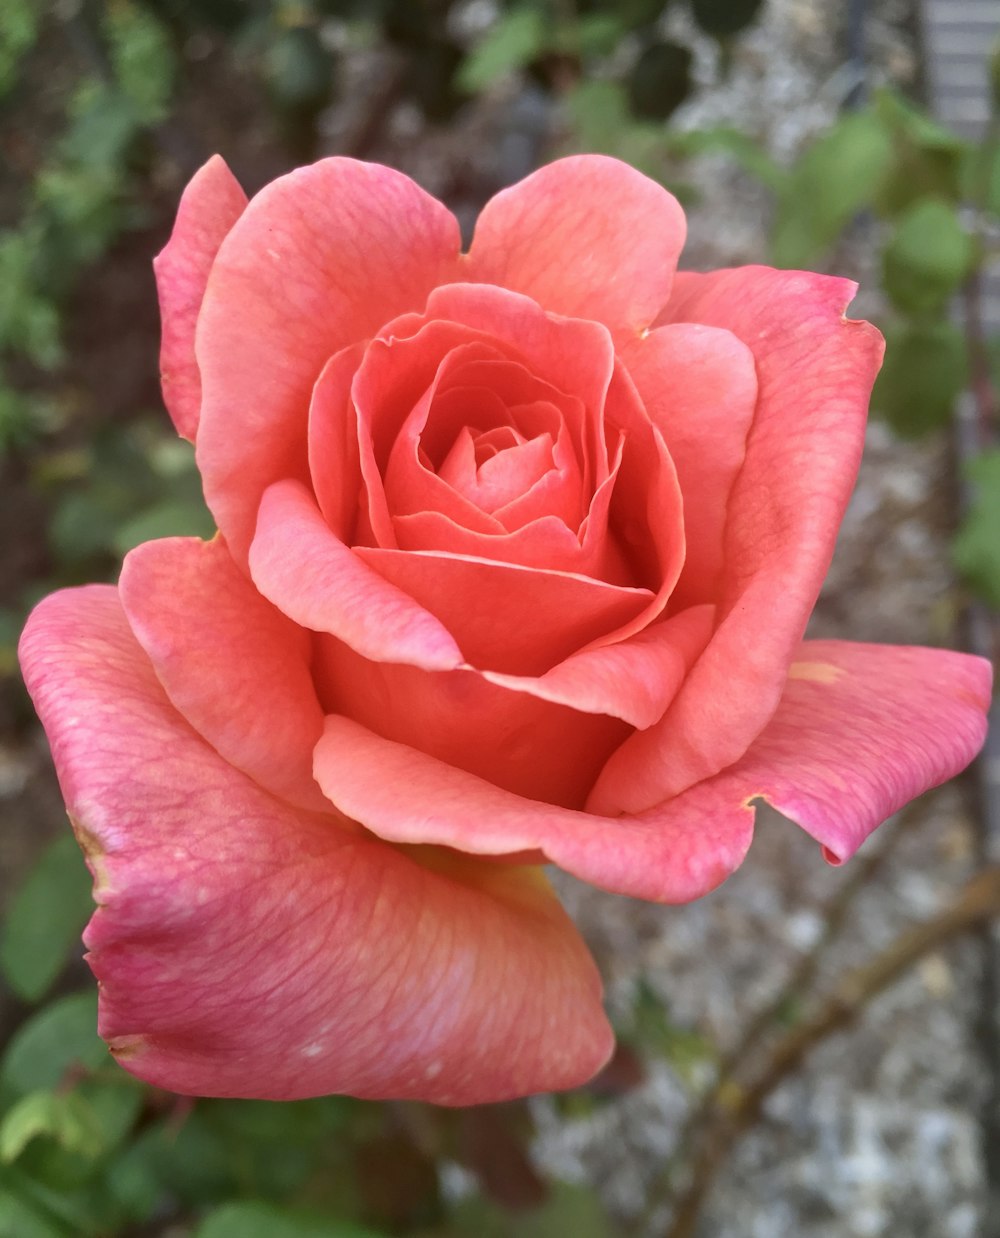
(321,258)
(861,730)
(210,205)
(248,949)
(588,237)
(232,664)
(815,371)
(699,387)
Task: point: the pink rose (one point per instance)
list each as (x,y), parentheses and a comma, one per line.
(516,552)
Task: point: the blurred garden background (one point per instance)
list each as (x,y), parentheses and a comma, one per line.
(860,137)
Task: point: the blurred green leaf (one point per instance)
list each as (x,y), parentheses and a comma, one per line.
(568,1210)
(22,1219)
(927,258)
(748,152)
(926,158)
(142,57)
(29,319)
(167,519)
(45,920)
(516,39)
(298,69)
(660,80)
(925,368)
(258,1220)
(652,1028)
(724,18)
(60,1036)
(19,23)
(836,177)
(62,1116)
(976,548)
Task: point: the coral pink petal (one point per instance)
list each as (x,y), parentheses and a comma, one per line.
(234,666)
(209,207)
(815,369)
(669,855)
(320,259)
(635,679)
(588,237)
(301,566)
(334,465)
(699,387)
(506,617)
(245,948)
(530,744)
(860,731)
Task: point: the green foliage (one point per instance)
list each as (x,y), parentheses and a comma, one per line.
(927,258)
(56,1039)
(516,39)
(567,1209)
(925,369)
(660,81)
(256,1220)
(833,180)
(63,1116)
(45,920)
(19,22)
(977,546)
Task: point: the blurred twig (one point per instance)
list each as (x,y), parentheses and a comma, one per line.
(976,905)
(800,981)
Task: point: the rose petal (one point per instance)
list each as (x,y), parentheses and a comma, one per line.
(334,465)
(670,855)
(635,679)
(301,566)
(320,259)
(244,948)
(234,666)
(209,207)
(588,237)
(863,729)
(815,370)
(860,730)
(529,743)
(506,617)
(699,387)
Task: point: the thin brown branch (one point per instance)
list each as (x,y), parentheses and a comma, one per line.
(977,903)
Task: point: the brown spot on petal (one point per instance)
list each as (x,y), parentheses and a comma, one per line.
(93,852)
(816,672)
(124,1048)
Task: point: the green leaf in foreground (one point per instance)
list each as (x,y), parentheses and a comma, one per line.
(258,1220)
(63,1116)
(58,1037)
(925,369)
(977,547)
(45,920)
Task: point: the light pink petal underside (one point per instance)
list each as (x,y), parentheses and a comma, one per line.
(815,370)
(588,237)
(232,664)
(209,206)
(245,948)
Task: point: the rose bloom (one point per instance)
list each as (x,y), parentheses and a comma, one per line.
(516,550)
